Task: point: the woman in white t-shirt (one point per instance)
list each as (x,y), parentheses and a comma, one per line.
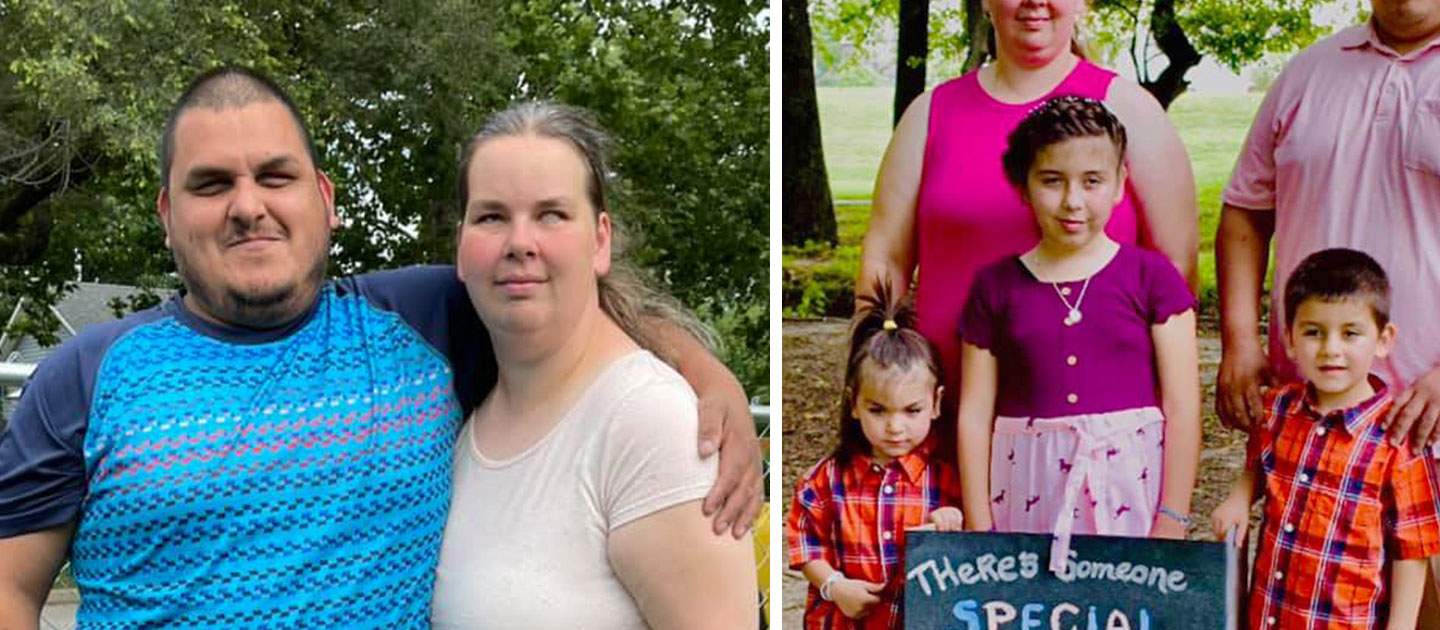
(577,488)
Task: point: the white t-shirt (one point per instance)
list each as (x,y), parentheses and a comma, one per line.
(525,544)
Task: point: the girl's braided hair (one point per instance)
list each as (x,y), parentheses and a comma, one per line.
(1055,121)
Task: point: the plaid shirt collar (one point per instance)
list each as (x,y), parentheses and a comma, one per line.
(1352,418)
(913,464)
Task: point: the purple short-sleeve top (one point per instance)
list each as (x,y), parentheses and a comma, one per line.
(1103,363)
(967,214)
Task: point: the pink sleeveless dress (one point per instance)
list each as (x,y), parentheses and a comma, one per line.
(967,214)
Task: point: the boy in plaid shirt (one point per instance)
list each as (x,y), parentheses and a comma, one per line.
(1349,517)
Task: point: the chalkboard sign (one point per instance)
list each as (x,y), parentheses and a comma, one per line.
(990,581)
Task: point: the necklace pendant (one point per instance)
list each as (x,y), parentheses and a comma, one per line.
(1073,317)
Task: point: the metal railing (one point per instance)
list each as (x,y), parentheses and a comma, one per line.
(14,374)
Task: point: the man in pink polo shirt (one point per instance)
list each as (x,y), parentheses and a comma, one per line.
(1344,152)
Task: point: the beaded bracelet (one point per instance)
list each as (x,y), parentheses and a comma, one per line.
(825,586)
(1183,519)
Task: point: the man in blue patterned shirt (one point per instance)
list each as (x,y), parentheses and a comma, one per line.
(269,449)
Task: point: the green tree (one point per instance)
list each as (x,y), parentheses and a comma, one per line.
(807,208)
(391,91)
(1183,32)
(684,88)
(1235,33)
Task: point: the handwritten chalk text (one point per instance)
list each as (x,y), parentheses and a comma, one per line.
(1161,579)
(1001,615)
(985,568)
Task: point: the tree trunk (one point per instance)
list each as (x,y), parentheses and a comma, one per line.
(914,47)
(25,219)
(1177,49)
(981,37)
(807,211)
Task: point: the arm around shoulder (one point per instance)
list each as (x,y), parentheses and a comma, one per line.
(725,425)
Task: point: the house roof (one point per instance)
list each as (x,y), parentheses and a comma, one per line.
(87,305)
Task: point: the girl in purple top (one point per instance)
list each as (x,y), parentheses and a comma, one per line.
(1068,351)
(941,208)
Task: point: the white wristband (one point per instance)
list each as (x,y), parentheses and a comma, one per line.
(825,586)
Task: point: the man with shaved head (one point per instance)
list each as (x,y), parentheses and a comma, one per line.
(269,449)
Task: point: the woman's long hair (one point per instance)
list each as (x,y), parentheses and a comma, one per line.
(882,332)
(626,295)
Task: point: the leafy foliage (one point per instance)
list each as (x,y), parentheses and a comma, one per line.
(684,88)
(391,91)
(1233,32)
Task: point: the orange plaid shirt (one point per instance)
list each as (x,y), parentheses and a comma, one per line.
(854,517)
(1340,503)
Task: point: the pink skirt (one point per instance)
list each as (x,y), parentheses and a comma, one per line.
(1085,474)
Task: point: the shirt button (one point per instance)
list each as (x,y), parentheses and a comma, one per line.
(887,535)
(1072,399)
(1320,431)
(1279,575)
(1304,478)
(1071,360)
(1064,290)
(889,489)
(1289,528)
(875,467)
(1270,621)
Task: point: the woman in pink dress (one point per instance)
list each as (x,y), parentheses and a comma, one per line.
(941,199)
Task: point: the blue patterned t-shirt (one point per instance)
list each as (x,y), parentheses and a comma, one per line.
(297,477)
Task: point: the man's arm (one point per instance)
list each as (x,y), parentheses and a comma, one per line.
(1417,412)
(1242,251)
(725,424)
(28,564)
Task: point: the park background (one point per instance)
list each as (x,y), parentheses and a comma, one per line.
(1209,62)
(391,90)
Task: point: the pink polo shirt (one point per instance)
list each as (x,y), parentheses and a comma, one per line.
(1346,151)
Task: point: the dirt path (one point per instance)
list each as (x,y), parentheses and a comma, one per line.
(813,356)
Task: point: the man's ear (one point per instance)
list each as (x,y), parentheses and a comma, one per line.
(327,194)
(162,209)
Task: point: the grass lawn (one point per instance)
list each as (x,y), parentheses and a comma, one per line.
(855,125)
